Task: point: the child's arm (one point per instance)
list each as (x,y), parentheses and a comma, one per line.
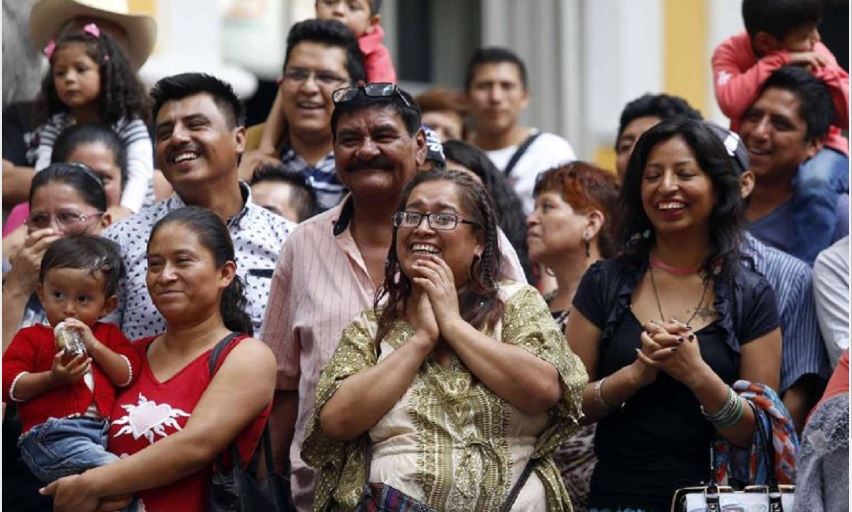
(16,182)
(274,127)
(22,381)
(140,164)
(837,80)
(30,385)
(116,358)
(736,85)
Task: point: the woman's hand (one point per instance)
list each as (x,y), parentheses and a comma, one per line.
(66,373)
(72,494)
(423,320)
(27,262)
(436,279)
(674,350)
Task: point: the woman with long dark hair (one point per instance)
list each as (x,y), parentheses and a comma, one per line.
(456,387)
(177,417)
(668,326)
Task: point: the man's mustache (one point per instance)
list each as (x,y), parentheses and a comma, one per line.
(378,162)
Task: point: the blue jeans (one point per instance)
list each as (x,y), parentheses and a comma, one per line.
(67,446)
(815,190)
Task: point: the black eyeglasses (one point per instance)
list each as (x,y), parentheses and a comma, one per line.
(373,90)
(437,221)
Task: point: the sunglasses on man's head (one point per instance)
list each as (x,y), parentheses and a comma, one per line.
(373,90)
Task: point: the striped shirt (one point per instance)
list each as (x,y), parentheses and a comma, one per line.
(257,235)
(322,177)
(319,286)
(139,189)
(803,351)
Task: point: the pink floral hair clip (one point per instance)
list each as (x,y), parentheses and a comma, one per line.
(92,30)
(49,48)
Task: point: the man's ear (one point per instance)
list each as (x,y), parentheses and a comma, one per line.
(420,140)
(814,146)
(240,138)
(746,184)
(110,304)
(764,43)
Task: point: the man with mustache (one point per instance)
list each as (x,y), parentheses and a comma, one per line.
(332,264)
(199,135)
(322,56)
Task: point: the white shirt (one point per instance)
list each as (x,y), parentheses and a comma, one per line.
(257,235)
(546,152)
(831,293)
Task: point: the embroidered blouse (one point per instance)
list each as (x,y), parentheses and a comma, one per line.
(451,442)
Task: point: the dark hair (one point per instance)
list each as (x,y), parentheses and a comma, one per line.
(78,176)
(663,106)
(636,233)
(177,87)
(510,211)
(585,187)
(815,105)
(480,304)
(84,134)
(779,17)
(494,55)
(329,33)
(122,94)
(409,113)
(213,235)
(85,252)
(303,195)
(375,6)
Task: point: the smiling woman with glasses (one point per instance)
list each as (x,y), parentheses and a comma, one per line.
(65,200)
(450,365)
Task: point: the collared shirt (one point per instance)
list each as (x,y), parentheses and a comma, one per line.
(320,284)
(322,177)
(803,351)
(257,235)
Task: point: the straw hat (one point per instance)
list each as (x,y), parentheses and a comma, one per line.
(49,16)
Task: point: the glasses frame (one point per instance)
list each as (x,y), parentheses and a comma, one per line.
(310,73)
(371,90)
(81,219)
(398,218)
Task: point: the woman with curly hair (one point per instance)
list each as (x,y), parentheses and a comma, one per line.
(90,80)
(453,393)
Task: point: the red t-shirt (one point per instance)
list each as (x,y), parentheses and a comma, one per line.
(151,410)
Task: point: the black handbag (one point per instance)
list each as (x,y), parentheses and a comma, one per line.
(237,488)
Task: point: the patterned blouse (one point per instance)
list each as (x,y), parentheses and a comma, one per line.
(450,442)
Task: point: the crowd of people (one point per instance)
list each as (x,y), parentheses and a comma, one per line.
(430,305)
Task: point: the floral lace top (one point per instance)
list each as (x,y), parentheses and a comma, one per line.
(451,442)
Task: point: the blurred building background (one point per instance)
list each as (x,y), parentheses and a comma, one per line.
(586,58)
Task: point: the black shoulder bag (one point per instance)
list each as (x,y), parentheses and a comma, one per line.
(238,488)
(525,145)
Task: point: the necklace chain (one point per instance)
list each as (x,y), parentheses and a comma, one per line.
(660,307)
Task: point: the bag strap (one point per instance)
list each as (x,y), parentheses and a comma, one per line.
(233,451)
(519,153)
(516,489)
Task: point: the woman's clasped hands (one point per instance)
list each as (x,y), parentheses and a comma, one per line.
(672,348)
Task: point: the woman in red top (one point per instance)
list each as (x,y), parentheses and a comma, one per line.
(175,420)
